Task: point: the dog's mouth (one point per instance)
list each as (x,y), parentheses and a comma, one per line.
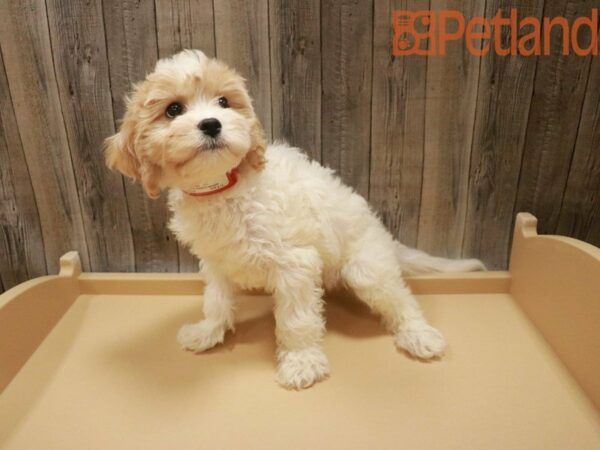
(212,144)
(208,146)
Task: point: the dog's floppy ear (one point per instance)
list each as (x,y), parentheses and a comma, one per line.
(256,156)
(120,155)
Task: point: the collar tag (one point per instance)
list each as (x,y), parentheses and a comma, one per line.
(220,184)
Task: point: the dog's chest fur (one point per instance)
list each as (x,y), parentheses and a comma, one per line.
(230,236)
(252,229)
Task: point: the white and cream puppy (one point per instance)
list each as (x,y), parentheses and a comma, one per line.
(263,217)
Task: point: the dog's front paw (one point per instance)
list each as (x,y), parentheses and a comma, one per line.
(299,369)
(421,340)
(200,336)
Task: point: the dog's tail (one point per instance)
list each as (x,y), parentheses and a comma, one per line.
(416,262)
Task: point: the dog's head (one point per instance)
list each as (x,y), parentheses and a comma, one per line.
(189,121)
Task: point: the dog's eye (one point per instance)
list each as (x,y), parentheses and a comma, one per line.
(174,110)
(223,103)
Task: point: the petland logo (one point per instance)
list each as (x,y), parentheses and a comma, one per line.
(427,33)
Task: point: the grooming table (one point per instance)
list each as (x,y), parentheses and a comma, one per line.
(90,361)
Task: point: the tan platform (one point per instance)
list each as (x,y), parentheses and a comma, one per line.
(90,361)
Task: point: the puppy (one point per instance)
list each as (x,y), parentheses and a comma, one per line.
(263,217)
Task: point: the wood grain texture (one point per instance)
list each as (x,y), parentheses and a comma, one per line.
(296,73)
(21,242)
(398,127)
(131,42)
(242,40)
(27,54)
(580,211)
(450,105)
(346,45)
(504,97)
(81,67)
(185,24)
(132,48)
(446,148)
(556,105)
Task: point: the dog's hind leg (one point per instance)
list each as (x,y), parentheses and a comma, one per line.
(374,275)
(414,262)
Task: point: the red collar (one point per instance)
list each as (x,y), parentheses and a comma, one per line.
(226,181)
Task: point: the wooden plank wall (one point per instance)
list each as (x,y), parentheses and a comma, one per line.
(447,149)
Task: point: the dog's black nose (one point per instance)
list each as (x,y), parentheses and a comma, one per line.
(210,127)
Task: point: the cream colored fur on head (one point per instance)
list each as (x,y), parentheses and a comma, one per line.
(167,152)
(288,226)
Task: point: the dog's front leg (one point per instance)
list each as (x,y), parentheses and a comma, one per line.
(299,321)
(218,308)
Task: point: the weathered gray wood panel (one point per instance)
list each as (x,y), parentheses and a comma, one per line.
(397,128)
(450,104)
(504,97)
(556,105)
(81,67)
(183,24)
(131,45)
(25,44)
(447,148)
(580,210)
(346,45)
(21,242)
(132,50)
(242,40)
(295,36)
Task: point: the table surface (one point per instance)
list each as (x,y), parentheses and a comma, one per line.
(111,376)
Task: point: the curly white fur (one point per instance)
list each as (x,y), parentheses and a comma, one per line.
(289,226)
(293,229)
